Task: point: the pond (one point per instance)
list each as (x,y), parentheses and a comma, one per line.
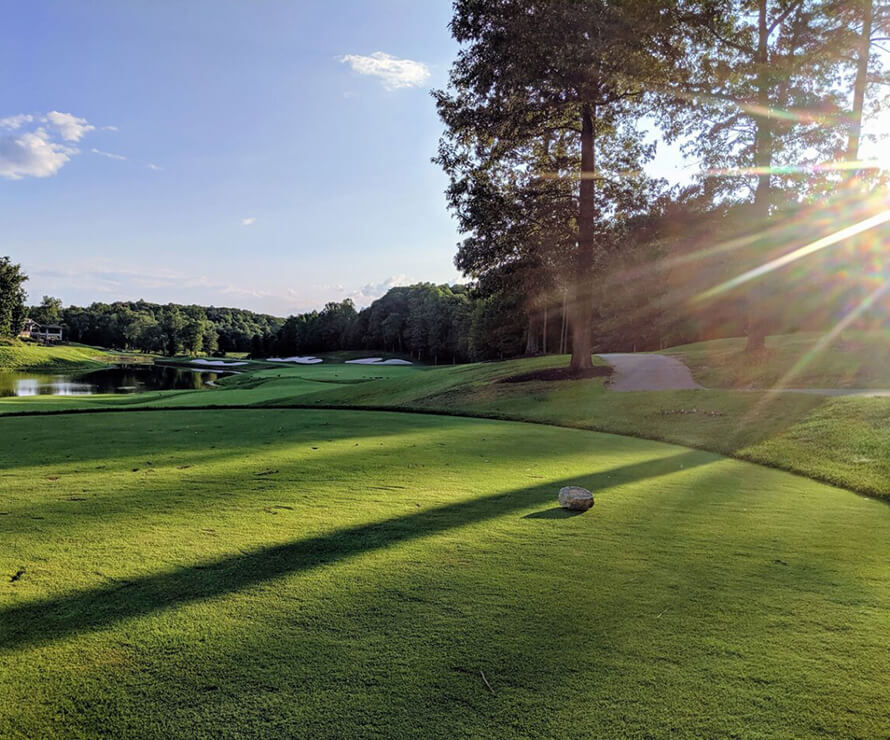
(120,379)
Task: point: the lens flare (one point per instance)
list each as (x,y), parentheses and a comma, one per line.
(796,254)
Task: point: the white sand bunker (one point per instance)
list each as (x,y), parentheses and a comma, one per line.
(217,363)
(308,360)
(377,361)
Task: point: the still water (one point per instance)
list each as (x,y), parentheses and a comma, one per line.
(122,379)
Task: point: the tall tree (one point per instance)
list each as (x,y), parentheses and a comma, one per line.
(868,22)
(531,69)
(761,93)
(521,219)
(12,298)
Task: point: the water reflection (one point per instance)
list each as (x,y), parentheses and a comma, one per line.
(122,379)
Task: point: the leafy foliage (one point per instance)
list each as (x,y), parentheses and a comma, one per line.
(170,329)
(12,298)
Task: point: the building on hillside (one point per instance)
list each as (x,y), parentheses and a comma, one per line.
(42,333)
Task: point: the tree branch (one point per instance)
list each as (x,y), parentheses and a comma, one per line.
(782,16)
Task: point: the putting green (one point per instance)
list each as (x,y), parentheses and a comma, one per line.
(282,573)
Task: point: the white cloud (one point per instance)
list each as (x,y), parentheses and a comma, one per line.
(370,292)
(154,167)
(15,122)
(107,154)
(248,221)
(393,73)
(110,128)
(124,284)
(70,127)
(32,154)
(36,145)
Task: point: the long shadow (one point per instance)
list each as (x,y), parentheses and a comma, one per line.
(557,512)
(193,487)
(49,619)
(88,451)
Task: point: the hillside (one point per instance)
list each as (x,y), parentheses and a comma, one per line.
(853,359)
(20,356)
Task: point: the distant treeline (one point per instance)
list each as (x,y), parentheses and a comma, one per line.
(431,323)
(435,323)
(148,327)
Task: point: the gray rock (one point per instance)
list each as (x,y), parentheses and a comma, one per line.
(575,498)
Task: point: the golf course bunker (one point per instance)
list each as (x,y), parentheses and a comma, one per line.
(217,363)
(308,360)
(378,361)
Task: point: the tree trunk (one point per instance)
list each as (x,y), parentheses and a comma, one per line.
(860,84)
(763,158)
(545,330)
(582,308)
(531,339)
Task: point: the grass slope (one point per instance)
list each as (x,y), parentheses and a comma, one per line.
(340,574)
(854,359)
(21,356)
(844,441)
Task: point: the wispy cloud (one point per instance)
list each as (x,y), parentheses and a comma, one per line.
(70,127)
(394,73)
(248,221)
(126,283)
(154,167)
(107,154)
(12,123)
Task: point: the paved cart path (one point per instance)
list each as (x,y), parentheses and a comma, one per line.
(646,372)
(653,372)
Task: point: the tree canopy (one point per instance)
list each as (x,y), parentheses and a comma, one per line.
(12,298)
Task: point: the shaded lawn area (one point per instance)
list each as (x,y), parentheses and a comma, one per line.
(854,359)
(336,573)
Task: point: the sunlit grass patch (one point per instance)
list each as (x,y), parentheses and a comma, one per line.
(336,573)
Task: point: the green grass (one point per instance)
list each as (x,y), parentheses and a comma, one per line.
(22,356)
(855,359)
(329,574)
(839,440)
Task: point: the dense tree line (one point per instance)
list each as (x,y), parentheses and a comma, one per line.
(165,329)
(431,323)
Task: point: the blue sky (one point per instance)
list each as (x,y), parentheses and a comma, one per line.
(267,154)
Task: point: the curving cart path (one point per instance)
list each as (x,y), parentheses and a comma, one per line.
(647,372)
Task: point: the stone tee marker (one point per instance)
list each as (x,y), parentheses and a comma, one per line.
(575,498)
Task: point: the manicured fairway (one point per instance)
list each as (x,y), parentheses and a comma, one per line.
(285,573)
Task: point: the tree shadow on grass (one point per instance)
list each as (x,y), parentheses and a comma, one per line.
(557,512)
(49,619)
(109,434)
